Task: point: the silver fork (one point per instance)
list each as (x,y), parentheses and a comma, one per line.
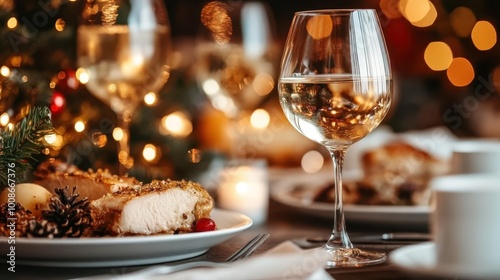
(242,253)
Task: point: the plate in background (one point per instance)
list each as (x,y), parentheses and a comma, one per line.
(297,190)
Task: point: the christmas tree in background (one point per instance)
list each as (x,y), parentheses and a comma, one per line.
(38,68)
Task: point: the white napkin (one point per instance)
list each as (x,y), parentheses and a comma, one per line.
(285,261)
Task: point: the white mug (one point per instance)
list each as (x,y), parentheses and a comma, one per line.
(465,222)
(476,156)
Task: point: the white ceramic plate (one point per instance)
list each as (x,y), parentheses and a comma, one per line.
(123,251)
(420,259)
(297,191)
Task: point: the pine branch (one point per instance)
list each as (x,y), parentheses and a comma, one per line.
(22,143)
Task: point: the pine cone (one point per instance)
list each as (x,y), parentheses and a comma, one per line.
(71,215)
(21,215)
(42,228)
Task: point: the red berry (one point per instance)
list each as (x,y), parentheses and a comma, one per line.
(205,224)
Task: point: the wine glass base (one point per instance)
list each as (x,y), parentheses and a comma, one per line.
(353,257)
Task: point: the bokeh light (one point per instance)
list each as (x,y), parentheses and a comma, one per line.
(99,139)
(438,56)
(60,24)
(176,124)
(460,72)
(79,126)
(260,119)
(414,10)
(312,161)
(50,138)
(211,87)
(118,134)
(82,75)
(5,71)
(428,19)
(4,119)
(462,20)
(319,27)
(390,8)
(12,23)
(150,152)
(484,35)
(263,84)
(150,98)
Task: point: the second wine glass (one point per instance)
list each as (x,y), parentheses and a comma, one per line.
(124,47)
(236,62)
(335,87)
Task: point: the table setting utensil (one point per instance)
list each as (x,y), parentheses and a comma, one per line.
(383,241)
(244,252)
(284,261)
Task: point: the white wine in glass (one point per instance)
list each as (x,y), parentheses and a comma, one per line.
(335,87)
(124,47)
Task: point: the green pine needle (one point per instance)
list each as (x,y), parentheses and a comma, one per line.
(22,143)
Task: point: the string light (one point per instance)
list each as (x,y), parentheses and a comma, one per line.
(149,152)
(50,138)
(260,119)
(79,126)
(118,134)
(58,102)
(60,24)
(150,98)
(4,119)
(176,124)
(5,71)
(12,23)
(82,75)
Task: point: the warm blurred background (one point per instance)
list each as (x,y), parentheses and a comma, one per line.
(445,57)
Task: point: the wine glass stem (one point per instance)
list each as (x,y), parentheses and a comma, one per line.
(124,160)
(339,237)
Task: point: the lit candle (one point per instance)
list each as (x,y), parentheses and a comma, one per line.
(244,188)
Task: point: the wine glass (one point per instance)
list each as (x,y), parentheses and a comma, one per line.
(236,61)
(124,47)
(335,87)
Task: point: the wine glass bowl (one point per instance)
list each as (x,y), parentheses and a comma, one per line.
(335,87)
(124,47)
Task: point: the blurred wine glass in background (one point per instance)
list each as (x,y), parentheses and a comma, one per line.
(236,62)
(124,48)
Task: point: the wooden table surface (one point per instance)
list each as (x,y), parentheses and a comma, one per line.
(283,224)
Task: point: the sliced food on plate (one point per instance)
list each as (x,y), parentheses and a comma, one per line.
(68,202)
(396,173)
